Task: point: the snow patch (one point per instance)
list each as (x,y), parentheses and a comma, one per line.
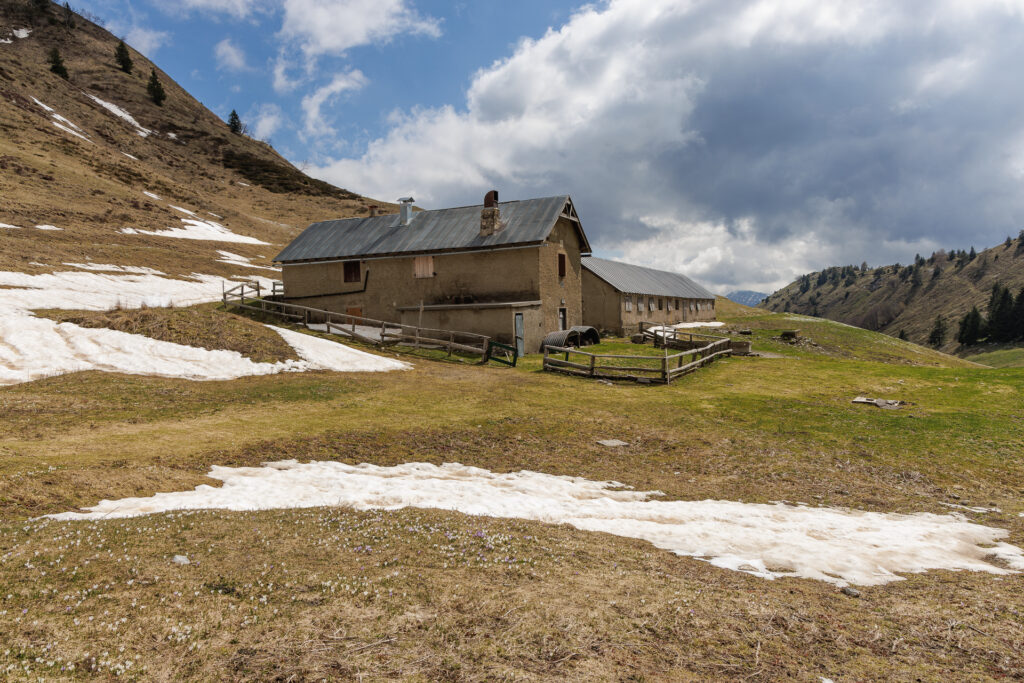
(198,229)
(239,260)
(5,41)
(21,33)
(48,227)
(121,114)
(5,226)
(32,348)
(151,195)
(243,184)
(765,540)
(130,156)
(686,326)
(184,211)
(60,122)
(109,267)
(172,136)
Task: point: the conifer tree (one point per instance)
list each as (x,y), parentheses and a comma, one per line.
(1001,323)
(234,123)
(970,328)
(155,89)
(938,334)
(903,334)
(123,57)
(57,64)
(1018,316)
(972,255)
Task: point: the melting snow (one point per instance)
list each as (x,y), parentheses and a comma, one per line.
(121,114)
(710,323)
(32,348)
(5,41)
(185,211)
(130,156)
(21,32)
(239,260)
(10,227)
(172,136)
(48,227)
(151,195)
(766,540)
(63,123)
(198,229)
(107,267)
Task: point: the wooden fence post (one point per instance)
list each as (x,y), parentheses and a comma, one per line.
(593,361)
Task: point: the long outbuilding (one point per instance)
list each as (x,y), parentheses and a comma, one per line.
(618,296)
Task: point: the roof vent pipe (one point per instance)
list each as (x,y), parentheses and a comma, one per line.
(405,209)
(490,216)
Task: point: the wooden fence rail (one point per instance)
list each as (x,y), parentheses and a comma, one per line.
(367,330)
(661,369)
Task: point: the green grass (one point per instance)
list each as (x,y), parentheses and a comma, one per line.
(290,593)
(1001,358)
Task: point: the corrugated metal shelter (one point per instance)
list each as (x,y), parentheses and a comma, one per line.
(618,296)
(525,222)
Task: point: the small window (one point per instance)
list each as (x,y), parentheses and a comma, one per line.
(423,266)
(352,271)
(650,304)
(668,304)
(661,304)
(678,307)
(629,303)
(561,265)
(563,323)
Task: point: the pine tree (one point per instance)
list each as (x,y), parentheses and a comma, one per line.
(57,64)
(970,328)
(938,334)
(972,255)
(155,89)
(123,57)
(903,334)
(1001,324)
(1018,316)
(234,123)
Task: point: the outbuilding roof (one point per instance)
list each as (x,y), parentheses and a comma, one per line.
(631,279)
(526,222)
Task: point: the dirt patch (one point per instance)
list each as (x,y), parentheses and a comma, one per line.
(205,327)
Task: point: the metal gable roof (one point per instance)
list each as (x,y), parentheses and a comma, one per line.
(527,221)
(631,279)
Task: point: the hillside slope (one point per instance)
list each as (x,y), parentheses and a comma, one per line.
(906,298)
(95,157)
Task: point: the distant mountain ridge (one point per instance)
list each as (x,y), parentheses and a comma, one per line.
(746,297)
(906,299)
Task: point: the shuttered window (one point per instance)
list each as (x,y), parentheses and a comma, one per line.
(423,266)
(561,265)
(629,303)
(650,304)
(352,271)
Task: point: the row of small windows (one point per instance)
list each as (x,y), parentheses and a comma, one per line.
(660,304)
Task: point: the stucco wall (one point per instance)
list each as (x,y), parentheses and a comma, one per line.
(631,319)
(553,289)
(601,304)
(497,323)
(509,275)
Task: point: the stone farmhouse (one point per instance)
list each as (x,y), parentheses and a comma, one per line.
(618,296)
(513,271)
(509,270)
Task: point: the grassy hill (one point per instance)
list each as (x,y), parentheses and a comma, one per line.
(906,298)
(87,177)
(435,595)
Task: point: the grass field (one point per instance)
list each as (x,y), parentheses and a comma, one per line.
(1000,358)
(432,595)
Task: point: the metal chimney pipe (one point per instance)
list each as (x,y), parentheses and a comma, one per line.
(405,210)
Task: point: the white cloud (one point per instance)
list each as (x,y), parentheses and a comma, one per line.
(267,119)
(237,8)
(282,82)
(146,41)
(770,128)
(316,124)
(334,26)
(229,56)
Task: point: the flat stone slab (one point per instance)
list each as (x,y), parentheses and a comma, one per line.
(612,443)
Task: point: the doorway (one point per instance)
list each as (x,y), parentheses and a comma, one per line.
(562,319)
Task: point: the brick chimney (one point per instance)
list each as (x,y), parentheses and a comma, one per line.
(373,210)
(490,216)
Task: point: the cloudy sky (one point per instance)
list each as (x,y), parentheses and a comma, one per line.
(742,142)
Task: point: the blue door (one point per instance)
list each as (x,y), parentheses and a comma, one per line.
(520,334)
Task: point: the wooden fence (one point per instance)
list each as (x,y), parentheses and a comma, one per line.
(660,369)
(248,297)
